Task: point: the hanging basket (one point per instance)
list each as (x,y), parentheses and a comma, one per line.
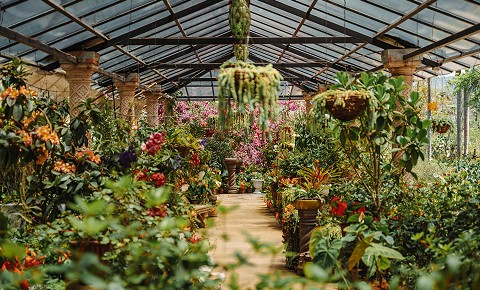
(352,107)
(441,128)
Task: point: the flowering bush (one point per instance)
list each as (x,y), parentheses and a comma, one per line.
(154,143)
(25,131)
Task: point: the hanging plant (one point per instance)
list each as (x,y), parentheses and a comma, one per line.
(240,51)
(345,101)
(239,19)
(250,88)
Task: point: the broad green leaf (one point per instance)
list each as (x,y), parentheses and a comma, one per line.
(383,264)
(359,251)
(380,250)
(17,112)
(426,124)
(422,134)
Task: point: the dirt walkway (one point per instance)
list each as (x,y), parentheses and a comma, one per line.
(251,217)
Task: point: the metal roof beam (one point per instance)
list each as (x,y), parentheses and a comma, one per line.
(89,28)
(211,79)
(328,24)
(204,98)
(310,8)
(155,24)
(18,37)
(216,65)
(231,40)
(24,39)
(474,29)
(391,26)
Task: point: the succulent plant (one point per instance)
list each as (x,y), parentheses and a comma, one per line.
(239,18)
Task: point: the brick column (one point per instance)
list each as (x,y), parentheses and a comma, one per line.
(126,90)
(307,97)
(152,102)
(139,106)
(392,60)
(79,77)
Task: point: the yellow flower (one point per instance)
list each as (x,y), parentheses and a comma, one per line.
(432,106)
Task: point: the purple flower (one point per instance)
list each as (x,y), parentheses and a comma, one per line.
(127,157)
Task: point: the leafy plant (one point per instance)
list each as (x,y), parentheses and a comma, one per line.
(386,141)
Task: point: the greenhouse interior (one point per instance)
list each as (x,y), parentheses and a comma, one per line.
(239,144)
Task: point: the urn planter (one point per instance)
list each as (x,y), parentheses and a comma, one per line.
(257,184)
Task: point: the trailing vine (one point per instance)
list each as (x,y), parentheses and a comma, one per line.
(250,88)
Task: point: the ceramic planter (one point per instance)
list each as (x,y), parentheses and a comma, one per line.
(257,184)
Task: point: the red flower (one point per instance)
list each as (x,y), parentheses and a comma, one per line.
(158,178)
(338,207)
(24,285)
(195,160)
(141,175)
(362,209)
(154,143)
(12,267)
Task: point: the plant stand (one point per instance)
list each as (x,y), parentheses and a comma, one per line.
(232,178)
(307,213)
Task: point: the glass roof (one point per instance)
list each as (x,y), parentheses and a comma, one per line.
(450,28)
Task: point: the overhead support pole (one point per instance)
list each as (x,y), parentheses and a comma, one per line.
(200,79)
(459,123)
(429,117)
(445,41)
(232,40)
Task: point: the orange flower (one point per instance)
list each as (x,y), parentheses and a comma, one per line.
(432,106)
(46,134)
(26,138)
(64,167)
(43,156)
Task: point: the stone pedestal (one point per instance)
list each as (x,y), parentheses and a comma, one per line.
(232,178)
(126,90)
(79,77)
(307,213)
(152,102)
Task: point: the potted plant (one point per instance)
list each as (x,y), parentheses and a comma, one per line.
(386,141)
(442,124)
(345,100)
(257,181)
